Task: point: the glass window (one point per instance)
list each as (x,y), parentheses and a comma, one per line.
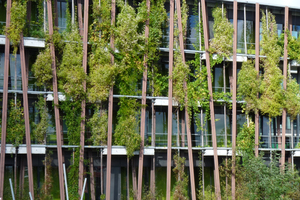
(15,72)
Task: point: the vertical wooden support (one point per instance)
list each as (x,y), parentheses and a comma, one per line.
(183,131)
(92,180)
(82,124)
(152,172)
(26,117)
(110,107)
(211,103)
(79,7)
(187,118)
(257,22)
(285,63)
(56,110)
(170,103)
(55,13)
(234,98)
(143,112)
(21,178)
(4,102)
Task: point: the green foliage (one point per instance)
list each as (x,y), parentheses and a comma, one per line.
(102,72)
(248,86)
(180,189)
(271,101)
(35,27)
(245,139)
(72,117)
(17,22)
(98,125)
(15,124)
(292,98)
(48,183)
(71,74)
(42,68)
(40,130)
(157,81)
(223,32)
(126,132)
(180,70)
(73,175)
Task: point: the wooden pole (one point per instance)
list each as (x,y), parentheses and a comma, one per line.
(56,109)
(79,9)
(143,112)
(211,103)
(92,179)
(4,102)
(170,103)
(257,21)
(285,63)
(26,117)
(234,74)
(189,137)
(82,124)
(110,107)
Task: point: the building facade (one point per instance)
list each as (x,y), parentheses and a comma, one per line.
(159,116)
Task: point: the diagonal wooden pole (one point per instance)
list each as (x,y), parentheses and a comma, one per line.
(285,62)
(82,124)
(170,98)
(4,102)
(187,118)
(26,116)
(110,107)
(211,103)
(56,109)
(257,69)
(234,66)
(143,112)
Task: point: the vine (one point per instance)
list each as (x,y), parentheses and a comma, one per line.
(98,125)
(248,86)
(15,124)
(223,31)
(71,74)
(17,22)
(271,101)
(180,190)
(40,130)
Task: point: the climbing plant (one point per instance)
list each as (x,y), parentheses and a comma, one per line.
(71,74)
(180,190)
(17,22)
(15,123)
(98,126)
(157,81)
(42,68)
(223,31)
(292,98)
(271,101)
(126,132)
(248,86)
(39,130)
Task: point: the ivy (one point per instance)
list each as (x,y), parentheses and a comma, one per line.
(15,124)
(180,189)
(98,125)
(48,183)
(17,22)
(271,101)
(73,176)
(248,86)
(223,31)
(35,28)
(40,130)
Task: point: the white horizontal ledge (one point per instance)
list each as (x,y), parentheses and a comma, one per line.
(35,149)
(28,42)
(121,151)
